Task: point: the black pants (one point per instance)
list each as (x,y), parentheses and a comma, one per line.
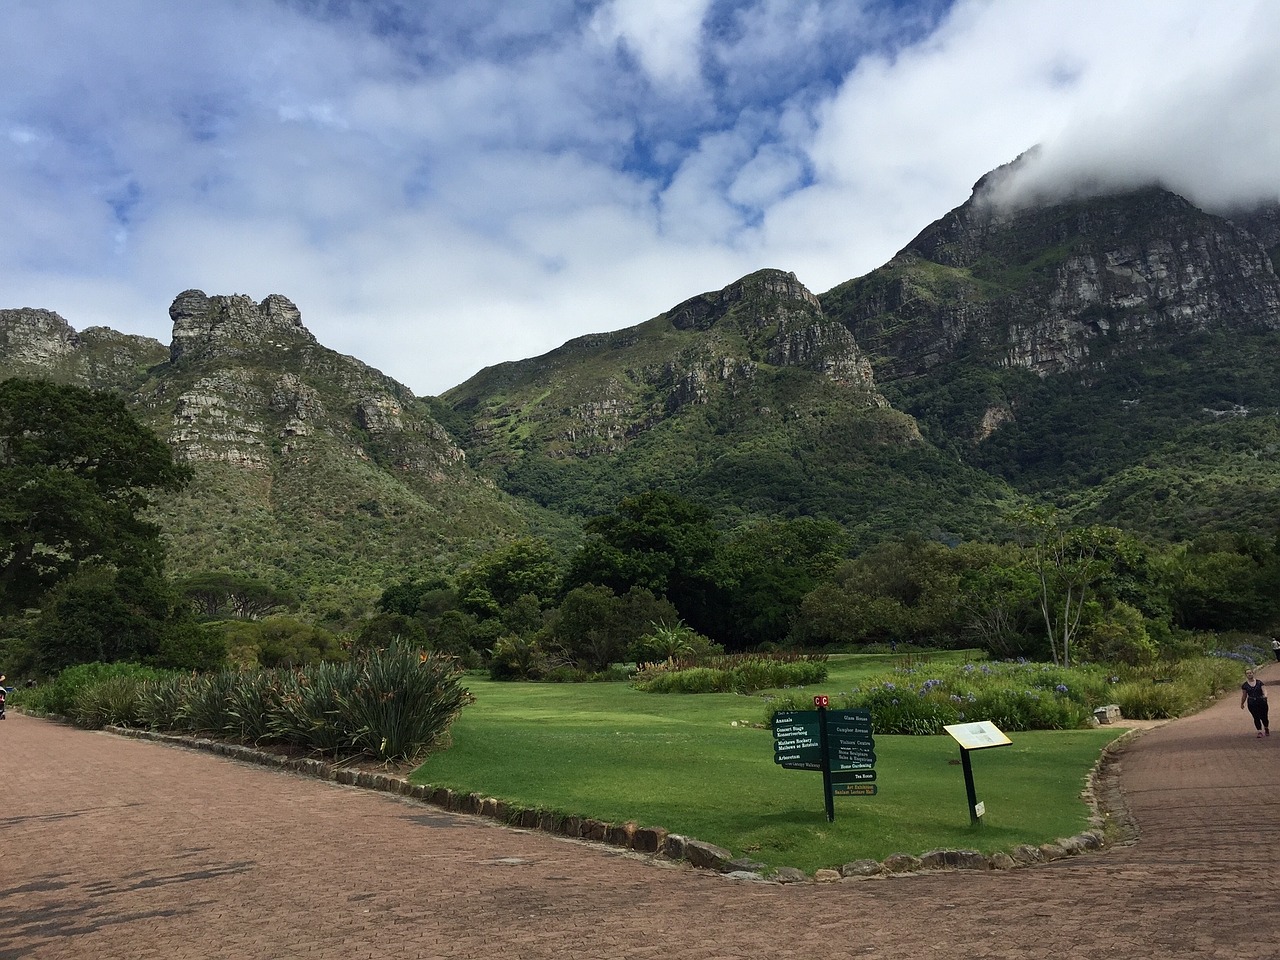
(1259,710)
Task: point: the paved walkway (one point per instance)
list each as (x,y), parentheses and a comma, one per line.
(119,848)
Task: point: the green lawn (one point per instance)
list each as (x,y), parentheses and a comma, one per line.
(702,766)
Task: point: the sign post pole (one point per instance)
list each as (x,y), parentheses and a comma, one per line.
(974,816)
(838,743)
(821,703)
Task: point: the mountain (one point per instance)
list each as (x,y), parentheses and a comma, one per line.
(1113,355)
(313,471)
(749,398)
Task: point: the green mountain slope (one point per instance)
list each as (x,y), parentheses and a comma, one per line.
(1114,355)
(749,398)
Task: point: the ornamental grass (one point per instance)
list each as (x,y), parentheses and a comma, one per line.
(392,704)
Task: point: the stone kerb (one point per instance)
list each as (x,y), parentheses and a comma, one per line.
(652,841)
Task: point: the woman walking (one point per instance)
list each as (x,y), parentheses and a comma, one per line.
(1253,693)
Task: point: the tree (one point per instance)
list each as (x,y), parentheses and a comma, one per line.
(215,593)
(75,468)
(101,614)
(999,600)
(497,580)
(594,627)
(658,541)
(766,570)
(1067,566)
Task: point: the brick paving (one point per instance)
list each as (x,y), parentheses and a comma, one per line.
(120,848)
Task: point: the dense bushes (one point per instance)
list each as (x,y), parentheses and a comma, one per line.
(740,673)
(392,704)
(1026,696)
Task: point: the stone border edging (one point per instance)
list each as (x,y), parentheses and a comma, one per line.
(1102,793)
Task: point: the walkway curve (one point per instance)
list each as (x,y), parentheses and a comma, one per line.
(119,848)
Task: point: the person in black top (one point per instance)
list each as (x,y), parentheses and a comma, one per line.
(1253,693)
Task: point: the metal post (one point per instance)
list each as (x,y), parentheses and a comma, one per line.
(974,816)
(826,764)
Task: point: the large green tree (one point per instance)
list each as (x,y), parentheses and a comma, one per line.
(660,542)
(75,468)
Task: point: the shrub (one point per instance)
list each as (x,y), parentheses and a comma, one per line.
(160,702)
(251,699)
(1144,700)
(399,702)
(309,711)
(897,709)
(517,658)
(737,673)
(1017,695)
(113,701)
(679,642)
(393,704)
(204,704)
(59,695)
(654,678)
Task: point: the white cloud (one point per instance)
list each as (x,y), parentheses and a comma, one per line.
(441,187)
(664,35)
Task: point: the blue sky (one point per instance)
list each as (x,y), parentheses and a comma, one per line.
(441,186)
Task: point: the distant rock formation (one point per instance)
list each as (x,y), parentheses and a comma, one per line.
(201,322)
(1053,289)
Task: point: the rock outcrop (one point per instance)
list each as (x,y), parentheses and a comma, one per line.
(40,343)
(235,323)
(1060,288)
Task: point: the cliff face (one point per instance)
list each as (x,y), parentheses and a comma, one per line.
(247,383)
(234,325)
(39,343)
(1061,288)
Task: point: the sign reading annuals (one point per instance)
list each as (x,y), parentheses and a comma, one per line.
(836,742)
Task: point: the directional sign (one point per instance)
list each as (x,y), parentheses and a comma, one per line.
(851,744)
(796,723)
(843,766)
(857,757)
(836,742)
(854,729)
(835,717)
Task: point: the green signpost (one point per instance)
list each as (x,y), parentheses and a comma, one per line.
(836,742)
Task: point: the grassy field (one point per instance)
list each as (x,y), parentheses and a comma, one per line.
(703,766)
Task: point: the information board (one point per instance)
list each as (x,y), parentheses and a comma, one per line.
(977,736)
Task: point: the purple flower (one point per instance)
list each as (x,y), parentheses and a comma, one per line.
(1061,688)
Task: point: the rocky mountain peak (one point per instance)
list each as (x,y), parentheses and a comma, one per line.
(1059,287)
(204,322)
(29,336)
(775,287)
